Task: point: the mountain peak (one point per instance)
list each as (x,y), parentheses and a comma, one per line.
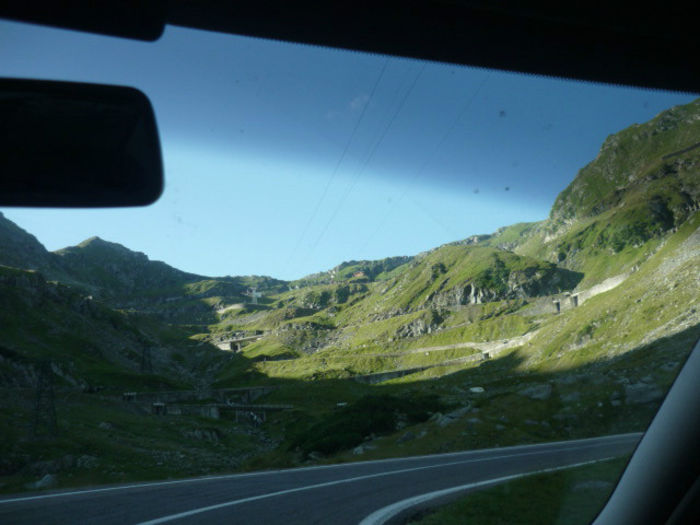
(95,241)
(91,240)
(100,250)
(631,159)
(20,249)
(116,270)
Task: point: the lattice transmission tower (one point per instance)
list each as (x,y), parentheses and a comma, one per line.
(44,423)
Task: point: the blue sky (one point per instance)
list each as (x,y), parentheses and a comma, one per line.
(287,159)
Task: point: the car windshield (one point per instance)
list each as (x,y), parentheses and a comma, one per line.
(356,257)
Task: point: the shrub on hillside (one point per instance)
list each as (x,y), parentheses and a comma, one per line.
(348,427)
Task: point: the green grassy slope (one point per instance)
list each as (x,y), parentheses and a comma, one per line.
(641,186)
(635,158)
(467,331)
(92,345)
(573,496)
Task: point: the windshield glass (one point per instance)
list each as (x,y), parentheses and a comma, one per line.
(363,257)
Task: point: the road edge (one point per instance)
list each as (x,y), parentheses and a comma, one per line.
(401,510)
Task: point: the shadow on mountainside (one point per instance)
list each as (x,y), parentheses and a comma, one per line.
(495,404)
(103,439)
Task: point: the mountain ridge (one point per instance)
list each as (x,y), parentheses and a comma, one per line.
(563,328)
(668,210)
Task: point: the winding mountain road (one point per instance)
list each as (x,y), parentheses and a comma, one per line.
(369,492)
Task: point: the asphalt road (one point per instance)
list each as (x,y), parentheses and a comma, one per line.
(337,494)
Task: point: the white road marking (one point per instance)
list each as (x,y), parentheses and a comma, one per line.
(162,483)
(225,504)
(383,515)
(304,469)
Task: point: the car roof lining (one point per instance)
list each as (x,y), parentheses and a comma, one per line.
(611,43)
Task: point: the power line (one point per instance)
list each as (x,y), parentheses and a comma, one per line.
(429,158)
(340,161)
(369,158)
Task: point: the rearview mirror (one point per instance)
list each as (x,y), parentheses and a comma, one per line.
(67,144)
